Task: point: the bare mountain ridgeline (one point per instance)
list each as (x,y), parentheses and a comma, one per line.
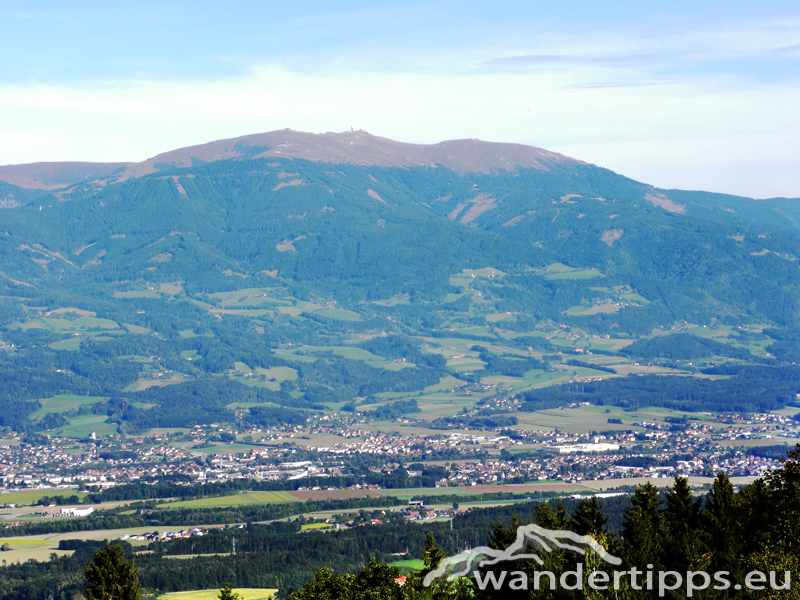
(353,147)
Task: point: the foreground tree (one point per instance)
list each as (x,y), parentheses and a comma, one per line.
(227,593)
(110,577)
(376,581)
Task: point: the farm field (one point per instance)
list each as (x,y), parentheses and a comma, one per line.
(234,500)
(70,344)
(433,406)
(410,493)
(63,403)
(338,314)
(270,378)
(137,294)
(40,547)
(694,481)
(532,378)
(585,419)
(312,526)
(415,564)
(143,384)
(314,439)
(225,448)
(28,497)
(303,495)
(574,274)
(84,426)
(37,553)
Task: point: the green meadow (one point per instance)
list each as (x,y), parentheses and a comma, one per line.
(64,403)
(234,500)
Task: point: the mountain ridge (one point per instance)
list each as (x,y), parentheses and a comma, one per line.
(350,147)
(216,280)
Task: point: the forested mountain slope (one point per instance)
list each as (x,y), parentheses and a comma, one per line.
(208,263)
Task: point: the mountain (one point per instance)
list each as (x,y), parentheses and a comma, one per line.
(353,147)
(209,263)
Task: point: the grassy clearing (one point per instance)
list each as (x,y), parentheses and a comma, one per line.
(448,382)
(292,356)
(585,419)
(243,312)
(29,497)
(452,297)
(531,379)
(414,564)
(394,300)
(143,384)
(343,351)
(485,272)
(225,449)
(338,314)
(189,333)
(28,325)
(593,309)
(448,346)
(251,382)
(494,318)
(62,325)
(171,288)
(577,274)
(63,403)
(562,271)
(278,374)
(87,322)
(72,310)
(465,363)
(480,331)
(83,426)
(433,406)
(235,500)
(398,366)
(20,543)
(635,298)
(38,553)
(309,526)
(70,344)
(304,354)
(137,294)
(244,594)
(250,296)
(409,493)
(559,268)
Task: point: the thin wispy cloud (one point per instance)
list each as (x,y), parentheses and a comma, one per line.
(601,85)
(789,50)
(603,60)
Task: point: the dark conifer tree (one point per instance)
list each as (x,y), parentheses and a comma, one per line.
(588,518)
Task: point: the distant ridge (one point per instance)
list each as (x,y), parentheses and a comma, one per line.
(350,147)
(55,175)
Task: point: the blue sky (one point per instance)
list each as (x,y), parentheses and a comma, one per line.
(697,95)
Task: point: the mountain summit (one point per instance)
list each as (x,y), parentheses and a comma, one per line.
(349,147)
